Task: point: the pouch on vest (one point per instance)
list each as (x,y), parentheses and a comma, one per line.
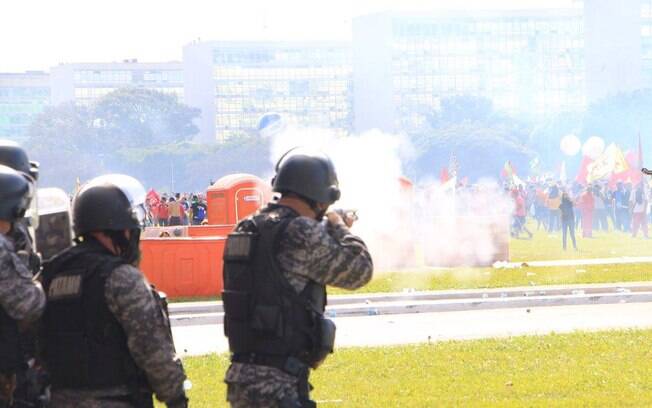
(326,342)
(238,278)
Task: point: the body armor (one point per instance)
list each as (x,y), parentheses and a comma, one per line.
(264,314)
(11,354)
(84,346)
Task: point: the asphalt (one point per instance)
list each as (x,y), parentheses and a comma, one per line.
(388,330)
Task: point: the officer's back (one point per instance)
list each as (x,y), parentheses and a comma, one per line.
(105,339)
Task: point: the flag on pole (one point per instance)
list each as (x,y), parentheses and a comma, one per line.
(453,166)
(444,176)
(507,170)
(612,161)
(640,152)
(153,197)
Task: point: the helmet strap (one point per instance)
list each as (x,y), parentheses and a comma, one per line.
(128,249)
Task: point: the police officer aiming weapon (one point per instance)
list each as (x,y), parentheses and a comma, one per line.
(277,264)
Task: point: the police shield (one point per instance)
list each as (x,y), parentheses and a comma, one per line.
(54,233)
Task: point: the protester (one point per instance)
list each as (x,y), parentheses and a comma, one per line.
(552,203)
(586,205)
(567,219)
(600,211)
(198,210)
(621,205)
(175,210)
(639,205)
(163,213)
(520,213)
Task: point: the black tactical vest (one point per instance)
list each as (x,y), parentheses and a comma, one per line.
(11,355)
(264,314)
(84,346)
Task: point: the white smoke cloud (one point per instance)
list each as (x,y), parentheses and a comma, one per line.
(428,224)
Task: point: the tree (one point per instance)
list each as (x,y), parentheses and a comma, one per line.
(78,141)
(619,119)
(481,138)
(61,139)
(133,117)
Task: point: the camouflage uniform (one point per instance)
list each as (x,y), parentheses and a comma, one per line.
(24,246)
(20,297)
(129,298)
(308,250)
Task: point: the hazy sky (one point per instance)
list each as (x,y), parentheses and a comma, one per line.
(37,34)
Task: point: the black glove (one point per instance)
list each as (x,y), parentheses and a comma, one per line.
(178,402)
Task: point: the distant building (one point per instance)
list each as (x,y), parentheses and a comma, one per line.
(618,46)
(529,62)
(86,82)
(22,97)
(236,83)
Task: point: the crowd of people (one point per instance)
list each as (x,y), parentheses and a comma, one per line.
(556,206)
(177,209)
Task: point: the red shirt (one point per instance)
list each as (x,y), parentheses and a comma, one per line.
(520,206)
(163,211)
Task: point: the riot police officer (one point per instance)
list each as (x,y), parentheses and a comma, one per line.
(14,156)
(106,340)
(31,387)
(21,299)
(277,264)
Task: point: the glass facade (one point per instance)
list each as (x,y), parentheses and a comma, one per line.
(646,40)
(524,64)
(22,97)
(91,84)
(308,85)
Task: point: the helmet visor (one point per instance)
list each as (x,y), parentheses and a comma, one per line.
(130,187)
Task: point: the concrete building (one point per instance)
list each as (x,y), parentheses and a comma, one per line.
(236,83)
(22,97)
(614,37)
(85,82)
(527,62)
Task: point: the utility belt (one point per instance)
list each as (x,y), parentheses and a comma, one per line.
(290,365)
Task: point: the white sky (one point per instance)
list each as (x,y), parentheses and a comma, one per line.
(38,34)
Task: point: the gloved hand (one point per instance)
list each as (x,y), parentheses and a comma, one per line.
(178,402)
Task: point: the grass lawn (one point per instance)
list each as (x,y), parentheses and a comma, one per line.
(475,278)
(580,369)
(546,246)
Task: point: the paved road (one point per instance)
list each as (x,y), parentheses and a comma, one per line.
(460,325)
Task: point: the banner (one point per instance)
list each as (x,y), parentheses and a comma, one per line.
(610,162)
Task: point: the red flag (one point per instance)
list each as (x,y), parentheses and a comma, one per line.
(153,197)
(444,176)
(584,170)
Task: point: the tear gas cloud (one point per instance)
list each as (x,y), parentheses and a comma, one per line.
(408,226)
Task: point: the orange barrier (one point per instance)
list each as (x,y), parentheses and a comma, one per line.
(210,230)
(184,267)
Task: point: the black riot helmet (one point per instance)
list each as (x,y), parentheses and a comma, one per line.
(16,193)
(109,203)
(14,156)
(112,204)
(307,173)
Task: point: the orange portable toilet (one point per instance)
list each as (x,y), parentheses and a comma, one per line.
(234,197)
